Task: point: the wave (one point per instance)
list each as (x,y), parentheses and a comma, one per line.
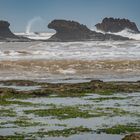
(69,69)
(129,33)
(36,36)
(71,50)
(43,36)
(125,33)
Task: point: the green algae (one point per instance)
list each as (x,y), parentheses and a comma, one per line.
(65,132)
(5,102)
(70,90)
(61,113)
(106,98)
(122,129)
(12,137)
(7,113)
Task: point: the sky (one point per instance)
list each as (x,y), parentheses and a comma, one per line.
(90,12)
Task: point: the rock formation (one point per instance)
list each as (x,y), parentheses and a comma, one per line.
(7,35)
(5,31)
(116,25)
(74,31)
(134,136)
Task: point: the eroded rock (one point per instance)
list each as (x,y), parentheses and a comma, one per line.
(74,31)
(7,35)
(116,25)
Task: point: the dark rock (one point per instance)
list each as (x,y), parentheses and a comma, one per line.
(7,35)
(5,31)
(116,25)
(69,30)
(134,136)
(74,31)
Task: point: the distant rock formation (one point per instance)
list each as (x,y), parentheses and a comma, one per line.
(74,31)
(134,136)
(116,25)
(5,31)
(7,35)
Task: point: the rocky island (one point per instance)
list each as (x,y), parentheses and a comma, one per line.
(7,35)
(74,31)
(116,25)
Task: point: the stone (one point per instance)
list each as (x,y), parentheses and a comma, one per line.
(74,31)
(116,25)
(134,136)
(7,35)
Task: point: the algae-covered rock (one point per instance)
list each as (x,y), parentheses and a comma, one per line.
(133,136)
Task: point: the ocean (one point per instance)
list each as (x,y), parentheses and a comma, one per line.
(70,61)
(66,111)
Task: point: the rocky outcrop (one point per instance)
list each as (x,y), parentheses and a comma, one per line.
(7,35)
(134,136)
(116,25)
(74,31)
(5,31)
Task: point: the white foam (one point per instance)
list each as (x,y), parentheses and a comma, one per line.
(129,33)
(71,50)
(67,71)
(39,36)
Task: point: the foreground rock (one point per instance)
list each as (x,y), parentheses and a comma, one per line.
(74,31)
(7,35)
(116,25)
(134,136)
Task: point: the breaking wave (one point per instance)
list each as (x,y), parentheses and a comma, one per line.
(129,33)
(36,36)
(92,50)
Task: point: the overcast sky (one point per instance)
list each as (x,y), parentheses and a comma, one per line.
(89,12)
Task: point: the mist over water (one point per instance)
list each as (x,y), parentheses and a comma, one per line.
(31,22)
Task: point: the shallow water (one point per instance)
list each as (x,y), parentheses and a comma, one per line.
(70,61)
(91,137)
(21,88)
(129,102)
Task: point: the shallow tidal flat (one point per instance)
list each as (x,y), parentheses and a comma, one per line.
(53,97)
(90,110)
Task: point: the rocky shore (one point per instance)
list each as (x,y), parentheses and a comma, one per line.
(69,89)
(25,102)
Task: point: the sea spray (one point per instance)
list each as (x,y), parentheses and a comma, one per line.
(129,33)
(125,33)
(31,22)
